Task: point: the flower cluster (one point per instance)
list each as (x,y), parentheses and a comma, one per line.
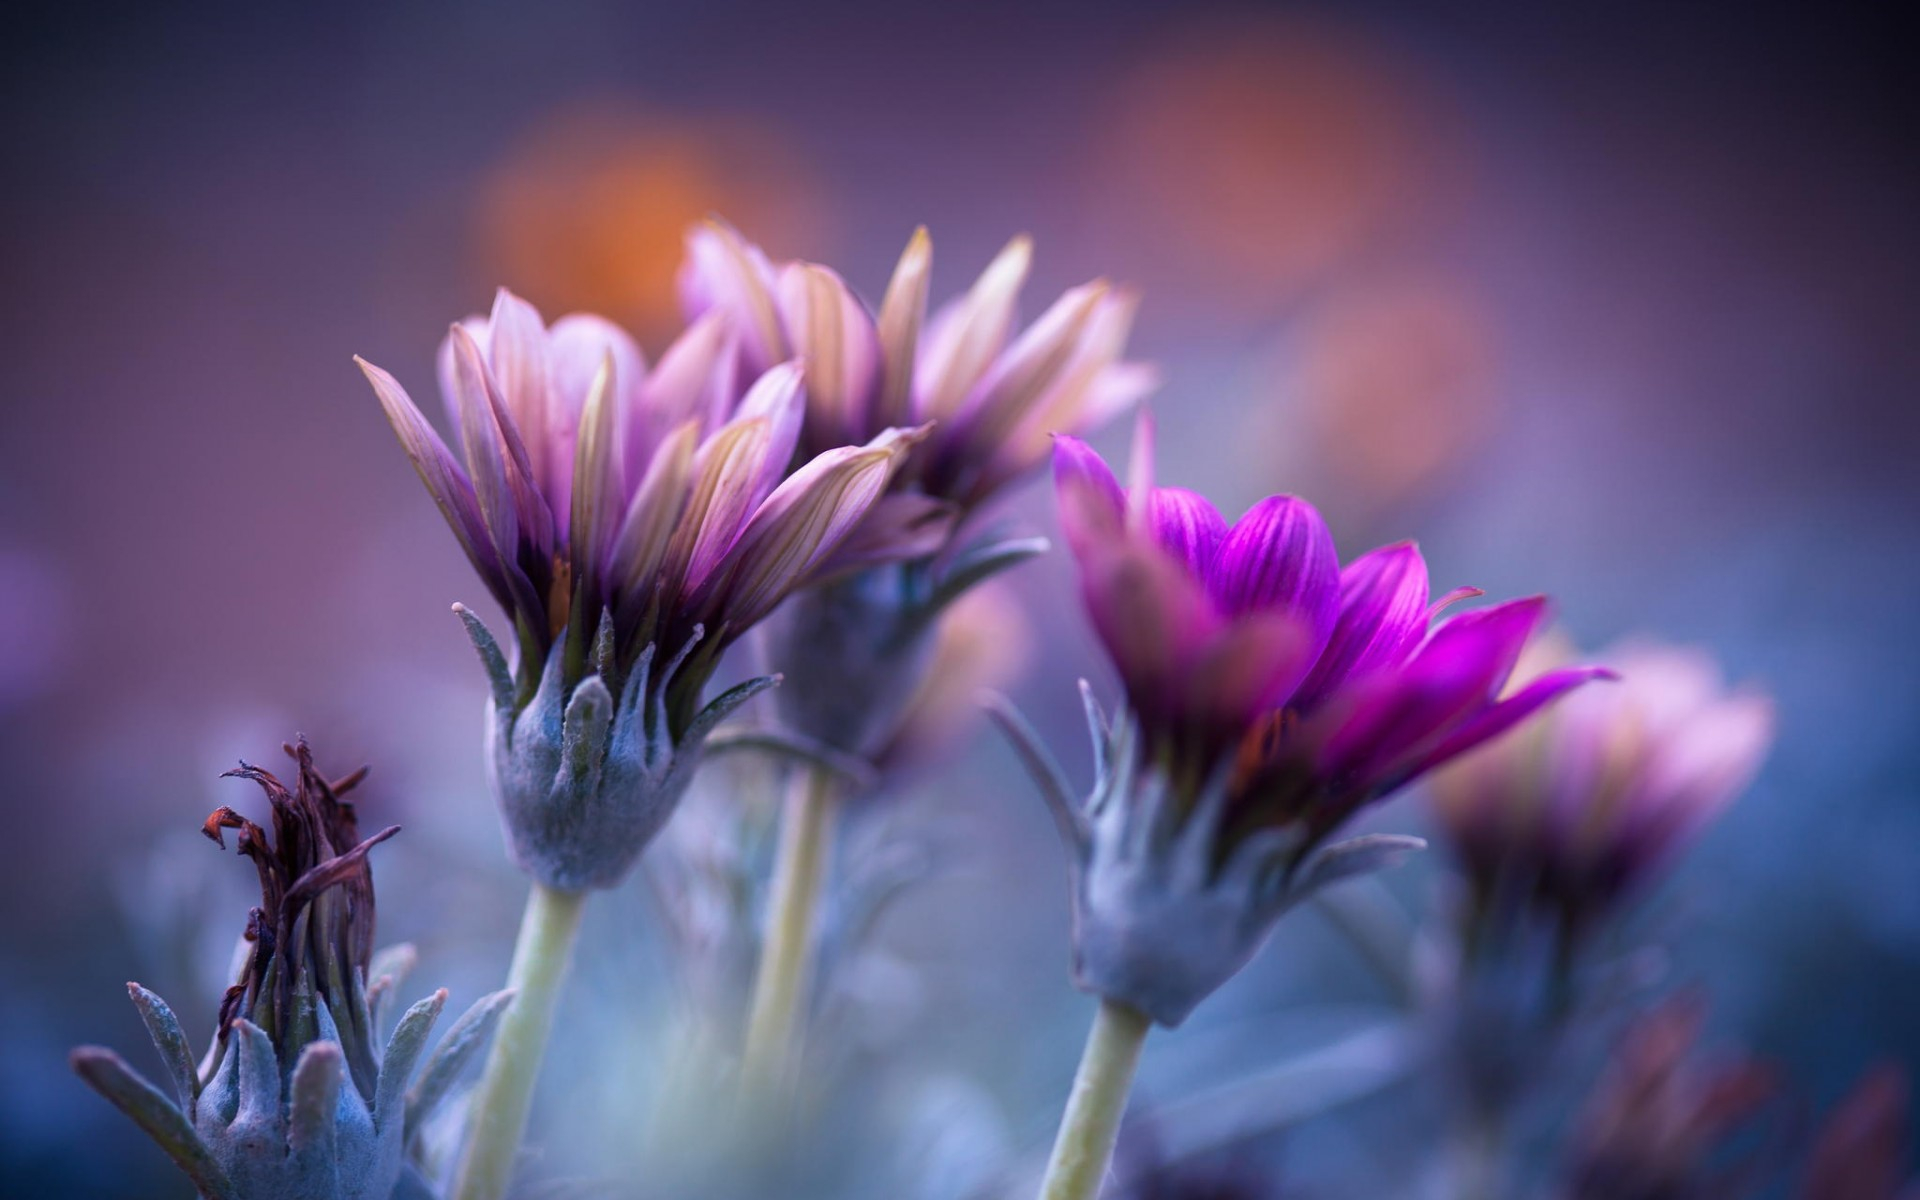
(632,524)
(1271,695)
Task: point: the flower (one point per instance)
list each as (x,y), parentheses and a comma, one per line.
(1271,694)
(1585,807)
(297,1096)
(860,639)
(632,524)
(1669,1121)
(1861,1150)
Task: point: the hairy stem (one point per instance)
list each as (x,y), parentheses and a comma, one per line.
(498,1117)
(786,953)
(1084,1147)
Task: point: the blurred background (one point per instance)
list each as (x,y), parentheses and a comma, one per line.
(1617,304)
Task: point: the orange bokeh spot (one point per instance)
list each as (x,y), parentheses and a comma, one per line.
(590,209)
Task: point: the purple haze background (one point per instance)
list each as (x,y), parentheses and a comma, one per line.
(1619,306)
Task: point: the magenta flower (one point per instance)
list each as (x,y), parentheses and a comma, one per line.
(1270,695)
(632,524)
(1588,805)
(860,640)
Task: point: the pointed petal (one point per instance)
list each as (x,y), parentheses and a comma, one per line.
(694,380)
(833,334)
(653,514)
(449,486)
(1280,555)
(497,459)
(901,527)
(598,498)
(963,340)
(779,397)
(804,519)
(1383,613)
(578,346)
(726,272)
(902,312)
(1376,721)
(1020,378)
(1186,525)
(517,353)
(1092,506)
(1496,719)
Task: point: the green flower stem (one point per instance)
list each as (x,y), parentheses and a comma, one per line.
(499,1114)
(786,953)
(1092,1121)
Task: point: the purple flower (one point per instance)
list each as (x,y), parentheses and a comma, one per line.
(1248,651)
(632,523)
(996,394)
(1586,806)
(1270,695)
(858,643)
(1671,1119)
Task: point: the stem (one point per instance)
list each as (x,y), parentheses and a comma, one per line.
(1092,1121)
(786,953)
(498,1116)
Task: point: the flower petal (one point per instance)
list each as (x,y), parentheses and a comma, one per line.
(600,494)
(902,312)
(1378,720)
(964,338)
(1092,506)
(1253,665)
(724,271)
(901,527)
(833,334)
(497,459)
(694,380)
(1186,525)
(452,492)
(1495,719)
(802,522)
(1154,619)
(1020,378)
(653,513)
(1280,555)
(1383,613)
(579,345)
(517,353)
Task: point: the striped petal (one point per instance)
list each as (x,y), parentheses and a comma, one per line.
(802,522)
(694,380)
(833,334)
(964,338)
(726,272)
(517,353)
(654,512)
(902,312)
(1092,506)
(1280,556)
(1383,613)
(452,492)
(1186,525)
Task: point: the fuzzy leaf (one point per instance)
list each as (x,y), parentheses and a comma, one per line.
(468,1037)
(403,1050)
(105,1072)
(171,1041)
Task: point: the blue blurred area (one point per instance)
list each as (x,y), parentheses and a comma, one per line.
(1617,305)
